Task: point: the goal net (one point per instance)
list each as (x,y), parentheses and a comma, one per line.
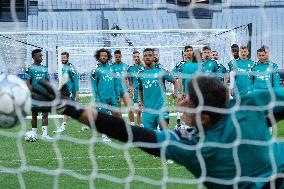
(83,160)
(82,46)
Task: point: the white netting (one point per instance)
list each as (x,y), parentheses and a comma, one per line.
(82,45)
(82,160)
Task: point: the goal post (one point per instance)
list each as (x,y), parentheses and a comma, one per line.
(52,41)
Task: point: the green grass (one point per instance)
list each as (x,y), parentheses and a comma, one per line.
(83,162)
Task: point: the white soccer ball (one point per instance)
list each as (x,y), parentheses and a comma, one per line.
(15,100)
(30,136)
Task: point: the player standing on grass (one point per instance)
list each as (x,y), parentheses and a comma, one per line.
(34,73)
(217,152)
(103,84)
(72,85)
(120,70)
(151,93)
(264,73)
(187,71)
(158,64)
(176,73)
(209,66)
(133,85)
(221,72)
(240,81)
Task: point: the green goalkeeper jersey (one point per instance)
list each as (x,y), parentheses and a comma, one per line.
(229,150)
(35,73)
(265,75)
(151,83)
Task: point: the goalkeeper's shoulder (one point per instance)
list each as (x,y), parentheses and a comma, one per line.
(263,97)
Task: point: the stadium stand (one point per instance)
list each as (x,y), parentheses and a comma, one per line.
(73,21)
(71,15)
(253,3)
(90,4)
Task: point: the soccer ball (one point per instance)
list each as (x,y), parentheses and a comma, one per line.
(30,136)
(15,99)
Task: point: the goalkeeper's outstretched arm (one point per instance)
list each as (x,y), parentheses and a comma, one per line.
(112,126)
(116,128)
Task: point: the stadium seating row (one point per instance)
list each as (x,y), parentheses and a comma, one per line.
(142,20)
(245,3)
(91,4)
(92,20)
(72,21)
(267,28)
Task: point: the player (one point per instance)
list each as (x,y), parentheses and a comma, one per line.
(209,66)
(264,73)
(221,72)
(187,55)
(72,84)
(158,64)
(189,68)
(218,152)
(267,52)
(240,81)
(156,56)
(120,70)
(151,92)
(34,73)
(103,84)
(133,84)
(235,53)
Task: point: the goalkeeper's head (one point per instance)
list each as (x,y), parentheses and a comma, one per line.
(205,92)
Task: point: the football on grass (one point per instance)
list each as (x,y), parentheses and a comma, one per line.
(15,100)
(30,136)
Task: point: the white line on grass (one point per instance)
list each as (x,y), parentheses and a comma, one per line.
(127,168)
(113,169)
(71,158)
(61,116)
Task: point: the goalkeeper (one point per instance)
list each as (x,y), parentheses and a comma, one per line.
(225,150)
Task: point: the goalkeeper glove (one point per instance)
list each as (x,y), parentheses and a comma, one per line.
(47,98)
(185,132)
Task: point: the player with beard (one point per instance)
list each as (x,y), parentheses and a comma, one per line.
(133,85)
(69,71)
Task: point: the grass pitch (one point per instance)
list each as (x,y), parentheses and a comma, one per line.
(81,160)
